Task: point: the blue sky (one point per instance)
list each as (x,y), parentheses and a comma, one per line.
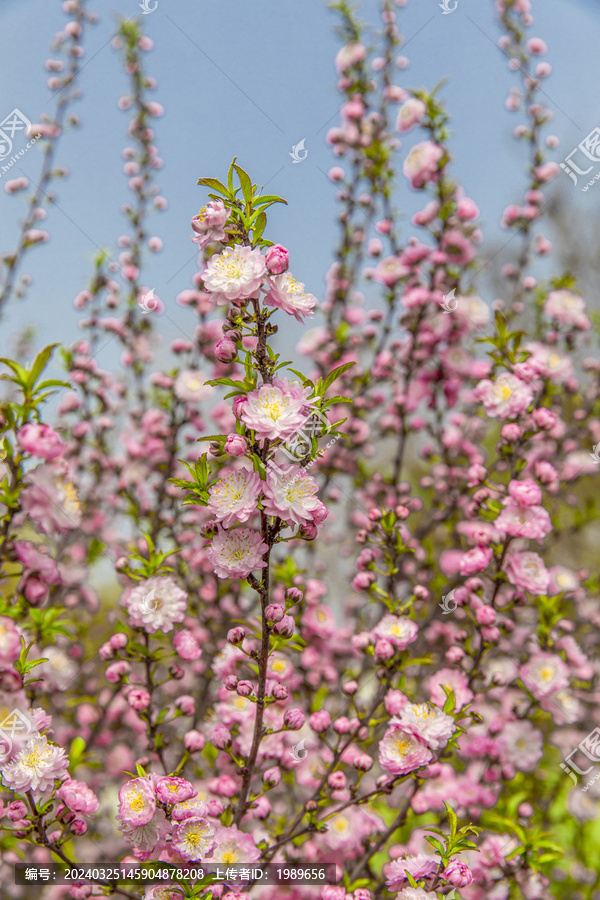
(251,79)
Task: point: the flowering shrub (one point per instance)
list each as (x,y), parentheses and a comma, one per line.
(392,693)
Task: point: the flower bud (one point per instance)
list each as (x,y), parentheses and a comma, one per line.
(225,350)
(274,613)
(236,445)
(272,776)
(279,692)
(236,635)
(320,721)
(231,682)
(285,628)
(294,719)
(277,260)
(193,741)
(244,688)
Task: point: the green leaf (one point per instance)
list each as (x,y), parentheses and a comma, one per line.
(40,363)
(336,374)
(451,819)
(215,185)
(268,199)
(245,183)
(76,753)
(259,227)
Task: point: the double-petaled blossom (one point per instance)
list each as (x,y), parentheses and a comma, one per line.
(193,838)
(421,865)
(78,797)
(156,604)
(235,275)
(567,308)
(209,224)
(237,553)
(422,163)
(427,722)
(233,498)
(234,846)
(506,397)
(41,440)
(35,767)
(292,495)
(287,294)
(401,752)
(276,411)
(527,572)
(137,802)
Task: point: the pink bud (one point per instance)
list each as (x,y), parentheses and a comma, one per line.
(236,445)
(277,260)
(294,719)
(193,741)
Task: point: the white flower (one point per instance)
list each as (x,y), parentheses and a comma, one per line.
(190,385)
(428,722)
(234,275)
(59,671)
(156,604)
(36,767)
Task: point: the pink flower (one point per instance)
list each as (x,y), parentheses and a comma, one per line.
(548,362)
(190,808)
(291,495)
(427,722)
(234,846)
(277,410)
(398,630)
(35,767)
(41,440)
(422,865)
(137,802)
(186,646)
(78,797)
(234,275)
(190,386)
(410,114)
(567,308)
(401,752)
(139,699)
(531,522)
(156,604)
(350,55)
(148,838)
(476,560)
(277,260)
(421,164)
(458,248)
(234,554)
(390,270)
(50,499)
(10,641)
(527,572)
(521,745)
(457,682)
(525,493)
(284,292)
(236,445)
(234,497)
(174,790)
(506,397)
(545,673)
(209,224)
(193,838)
(458,873)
